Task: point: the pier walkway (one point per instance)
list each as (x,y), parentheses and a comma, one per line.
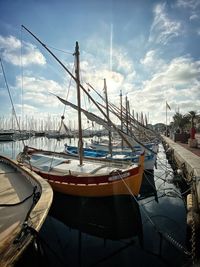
(190,157)
(195,150)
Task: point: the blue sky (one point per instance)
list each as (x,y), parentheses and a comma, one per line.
(148,49)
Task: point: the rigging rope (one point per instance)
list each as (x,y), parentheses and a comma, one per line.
(61,123)
(60,50)
(165,235)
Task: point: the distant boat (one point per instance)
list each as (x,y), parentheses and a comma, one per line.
(117,155)
(25,200)
(7,135)
(102,144)
(39,133)
(55,134)
(87,152)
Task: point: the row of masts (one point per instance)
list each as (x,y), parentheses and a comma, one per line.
(129,120)
(48,123)
(31,123)
(76,78)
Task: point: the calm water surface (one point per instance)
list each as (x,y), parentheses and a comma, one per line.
(112,231)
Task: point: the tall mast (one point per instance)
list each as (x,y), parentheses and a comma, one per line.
(127,115)
(107,112)
(80,141)
(121,109)
(121,115)
(126,99)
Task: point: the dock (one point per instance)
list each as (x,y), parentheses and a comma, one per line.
(188,162)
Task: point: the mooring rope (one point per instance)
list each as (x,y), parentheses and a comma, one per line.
(20,202)
(165,235)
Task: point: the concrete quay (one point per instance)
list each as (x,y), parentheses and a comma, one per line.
(185,155)
(188,160)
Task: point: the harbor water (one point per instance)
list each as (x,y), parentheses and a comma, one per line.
(149,230)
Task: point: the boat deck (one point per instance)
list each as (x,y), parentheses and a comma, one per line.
(17,206)
(87,169)
(64,165)
(13,189)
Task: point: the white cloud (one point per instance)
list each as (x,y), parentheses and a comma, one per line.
(192,4)
(10,42)
(27,109)
(148,60)
(194,17)
(40,85)
(178,83)
(121,61)
(163,28)
(152,61)
(11,47)
(181,71)
(37,91)
(94,69)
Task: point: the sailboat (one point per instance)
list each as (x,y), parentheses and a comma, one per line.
(7,135)
(117,155)
(78,176)
(110,149)
(25,200)
(92,178)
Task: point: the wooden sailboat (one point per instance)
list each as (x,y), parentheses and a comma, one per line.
(84,177)
(113,150)
(25,199)
(117,155)
(92,178)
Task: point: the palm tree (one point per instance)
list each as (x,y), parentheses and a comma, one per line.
(180,121)
(192,116)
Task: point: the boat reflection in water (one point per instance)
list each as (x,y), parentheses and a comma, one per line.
(113,217)
(83,231)
(148,187)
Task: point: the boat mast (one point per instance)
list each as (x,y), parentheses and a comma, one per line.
(121,109)
(121,115)
(107,112)
(80,140)
(85,91)
(127,115)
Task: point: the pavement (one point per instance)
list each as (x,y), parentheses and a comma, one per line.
(196,150)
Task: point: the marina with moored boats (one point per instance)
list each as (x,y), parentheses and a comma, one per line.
(89,175)
(151,191)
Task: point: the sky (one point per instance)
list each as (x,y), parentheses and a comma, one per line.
(146,49)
